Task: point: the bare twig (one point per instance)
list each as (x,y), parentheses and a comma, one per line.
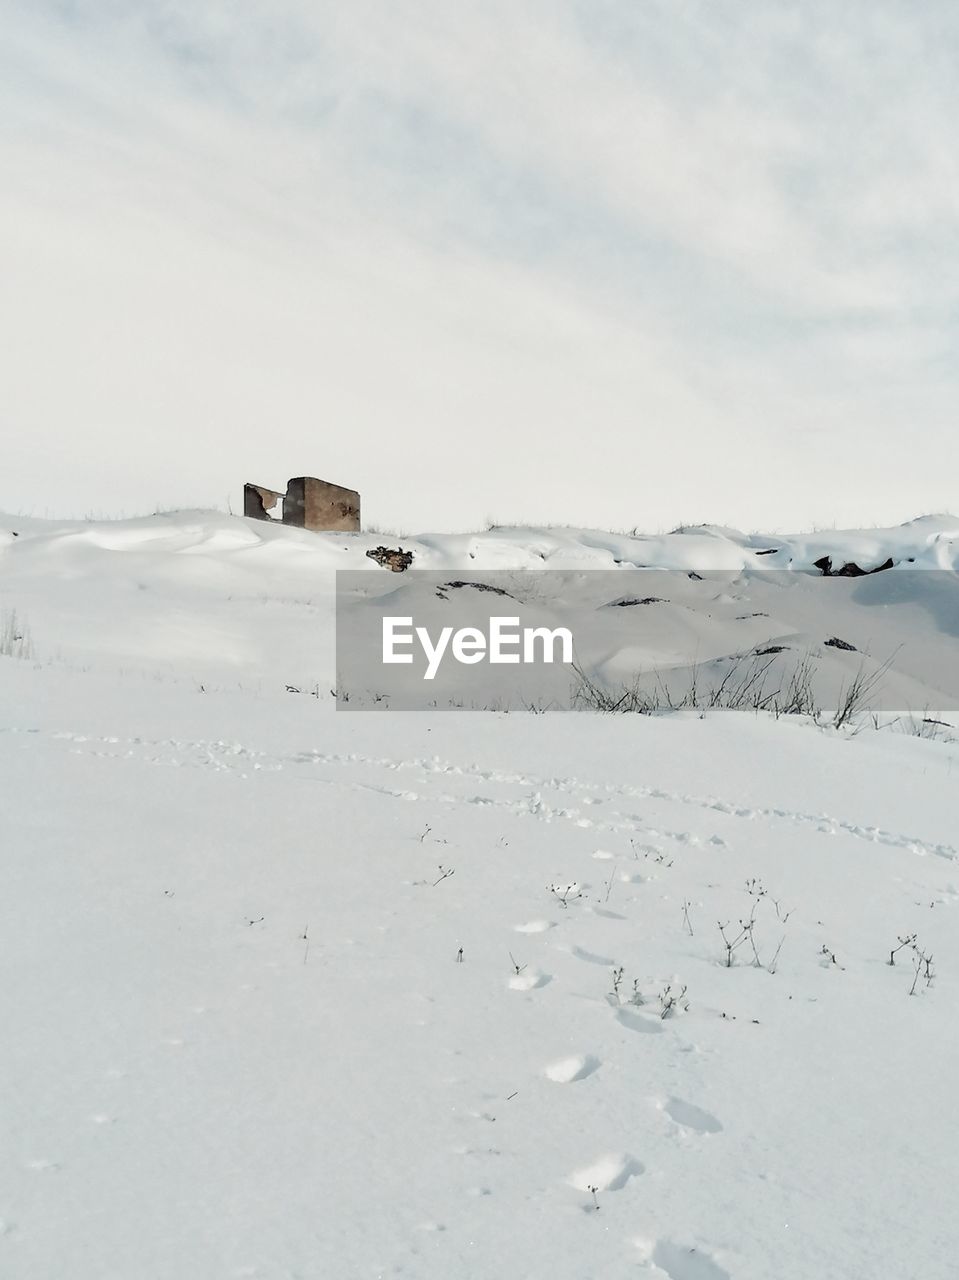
(771,967)
(908,941)
(686,922)
(671,1000)
(562,894)
(731,944)
(609,885)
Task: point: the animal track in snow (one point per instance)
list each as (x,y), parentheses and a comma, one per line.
(237,757)
(683,1262)
(590,957)
(568,1070)
(529,980)
(636,1022)
(691,1117)
(534,926)
(607,1173)
(605,913)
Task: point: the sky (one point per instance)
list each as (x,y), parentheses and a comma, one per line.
(620,263)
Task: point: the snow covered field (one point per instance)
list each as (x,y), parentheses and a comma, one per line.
(292,993)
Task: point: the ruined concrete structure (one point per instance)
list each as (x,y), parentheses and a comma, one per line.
(307,504)
(259,502)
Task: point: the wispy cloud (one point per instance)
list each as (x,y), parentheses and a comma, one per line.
(610,261)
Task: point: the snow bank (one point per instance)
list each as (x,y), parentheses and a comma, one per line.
(221,600)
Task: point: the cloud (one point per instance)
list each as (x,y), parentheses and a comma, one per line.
(604,261)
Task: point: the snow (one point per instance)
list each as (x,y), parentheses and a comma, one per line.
(289,994)
(232,603)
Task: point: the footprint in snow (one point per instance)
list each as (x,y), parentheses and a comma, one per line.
(637,1022)
(568,1070)
(590,956)
(529,980)
(683,1262)
(534,926)
(691,1117)
(607,1173)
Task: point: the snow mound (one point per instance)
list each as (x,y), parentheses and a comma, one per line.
(218,599)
